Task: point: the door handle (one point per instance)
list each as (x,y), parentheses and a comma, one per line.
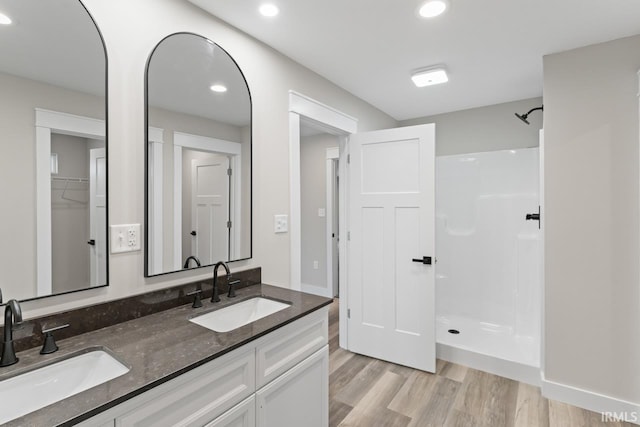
(91,242)
(424,260)
(193,233)
(534,217)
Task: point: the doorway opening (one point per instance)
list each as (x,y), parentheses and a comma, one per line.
(319,163)
(71,195)
(311,113)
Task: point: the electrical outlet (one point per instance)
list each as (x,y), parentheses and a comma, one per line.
(315,265)
(125,238)
(281,223)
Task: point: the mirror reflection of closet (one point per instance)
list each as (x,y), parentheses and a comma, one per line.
(53,225)
(198,156)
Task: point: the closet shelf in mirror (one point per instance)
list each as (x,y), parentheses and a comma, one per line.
(69,179)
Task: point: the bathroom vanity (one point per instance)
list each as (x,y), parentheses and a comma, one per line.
(270,372)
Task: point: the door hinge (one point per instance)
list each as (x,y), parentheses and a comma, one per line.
(348,313)
(348,159)
(348,236)
(228,224)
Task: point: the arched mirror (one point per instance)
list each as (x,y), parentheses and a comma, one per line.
(198,157)
(53,172)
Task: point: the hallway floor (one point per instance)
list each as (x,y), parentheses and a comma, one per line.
(367,392)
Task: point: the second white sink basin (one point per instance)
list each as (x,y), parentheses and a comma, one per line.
(240,314)
(36,389)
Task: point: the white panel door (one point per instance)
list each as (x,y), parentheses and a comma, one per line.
(210,209)
(391,227)
(98,216)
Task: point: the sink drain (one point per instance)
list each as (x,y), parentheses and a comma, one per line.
(453,331)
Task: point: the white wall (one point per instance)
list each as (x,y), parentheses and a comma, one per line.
(131,30)
(490,128)
(592,296)
(313,196)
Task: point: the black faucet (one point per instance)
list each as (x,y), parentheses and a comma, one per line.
(12,313)
(215,297)
(197,261)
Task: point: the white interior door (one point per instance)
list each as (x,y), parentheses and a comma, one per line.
(391,224)
(210,209)
(98,216)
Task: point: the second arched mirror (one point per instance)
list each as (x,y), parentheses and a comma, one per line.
(198,156)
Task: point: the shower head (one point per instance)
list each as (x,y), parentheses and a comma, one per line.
(524,116)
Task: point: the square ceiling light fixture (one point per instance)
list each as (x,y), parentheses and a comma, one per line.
(429,76)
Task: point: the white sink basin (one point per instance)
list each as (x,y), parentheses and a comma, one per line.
(240,314)
(36,389)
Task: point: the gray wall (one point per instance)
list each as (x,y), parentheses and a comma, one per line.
(592,297)
(490,128)
(313,195)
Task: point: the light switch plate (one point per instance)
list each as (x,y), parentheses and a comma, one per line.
(322,212)
(125,238)
(281,223)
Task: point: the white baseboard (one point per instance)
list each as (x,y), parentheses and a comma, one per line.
(316,290)
(482,362)
(591,401)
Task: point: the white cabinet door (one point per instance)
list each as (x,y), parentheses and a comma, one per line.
(300,397)
(241,415)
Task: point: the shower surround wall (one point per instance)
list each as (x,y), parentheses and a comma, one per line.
(488,274)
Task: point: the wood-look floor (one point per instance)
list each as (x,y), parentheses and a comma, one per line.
(368,392)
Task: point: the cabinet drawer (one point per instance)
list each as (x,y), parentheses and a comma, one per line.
(197,397)
(241,415)
(283,349)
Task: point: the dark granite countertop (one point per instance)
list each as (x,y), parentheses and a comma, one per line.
(156,348)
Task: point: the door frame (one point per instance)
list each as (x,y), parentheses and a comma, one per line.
(333,154)
(155,219)
(50,122)
(335,122)
(195,163)
(211,145)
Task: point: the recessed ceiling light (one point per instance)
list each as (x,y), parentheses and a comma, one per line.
(429,77)
(4,19)
(269,9)
(218,88)
(433,8)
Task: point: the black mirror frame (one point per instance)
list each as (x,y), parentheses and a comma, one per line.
(106,151)
(146,158)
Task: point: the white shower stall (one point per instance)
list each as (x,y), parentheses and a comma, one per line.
(488,270)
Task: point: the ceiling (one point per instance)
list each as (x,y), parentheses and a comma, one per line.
(492,49)
(55,42)
(181,70)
